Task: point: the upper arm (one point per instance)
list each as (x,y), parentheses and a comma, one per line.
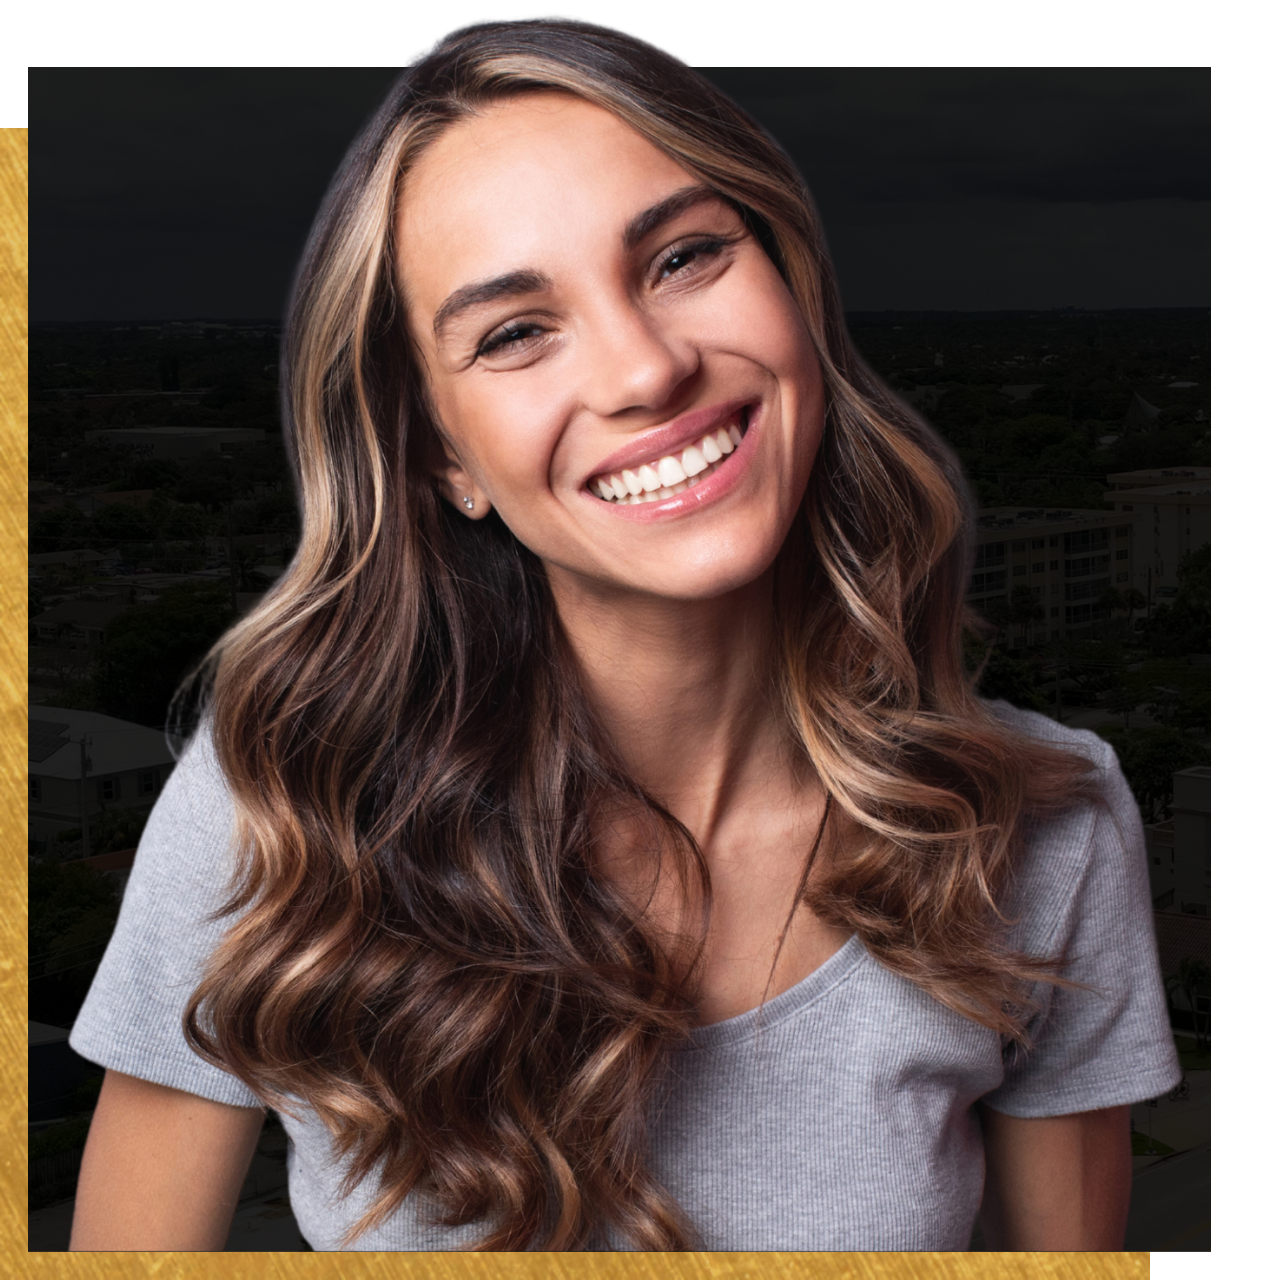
(1056,1182)
(162,1169)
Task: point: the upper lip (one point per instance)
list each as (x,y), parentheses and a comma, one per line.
(669,439)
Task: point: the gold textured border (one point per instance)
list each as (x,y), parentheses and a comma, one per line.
(13,684)
(296,1266)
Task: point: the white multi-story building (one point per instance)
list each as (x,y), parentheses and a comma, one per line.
(1169,509)
(1066,558)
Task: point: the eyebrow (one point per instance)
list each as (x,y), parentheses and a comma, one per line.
(517,283)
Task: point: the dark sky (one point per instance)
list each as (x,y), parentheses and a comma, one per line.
(172,193)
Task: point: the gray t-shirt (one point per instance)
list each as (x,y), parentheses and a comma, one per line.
(838,1116)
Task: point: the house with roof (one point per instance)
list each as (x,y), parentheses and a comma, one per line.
(80,763)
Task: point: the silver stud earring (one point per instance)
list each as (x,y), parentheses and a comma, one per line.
(469,503)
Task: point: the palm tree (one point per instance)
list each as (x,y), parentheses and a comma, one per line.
(1133,599)
(1112,599)
(1026,608)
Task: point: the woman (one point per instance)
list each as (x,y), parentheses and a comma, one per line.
(614,853)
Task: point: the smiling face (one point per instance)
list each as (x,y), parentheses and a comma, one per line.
(593,322)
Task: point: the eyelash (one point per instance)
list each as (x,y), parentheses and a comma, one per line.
(509,335)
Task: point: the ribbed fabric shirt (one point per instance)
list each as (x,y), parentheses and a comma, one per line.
(840,1115)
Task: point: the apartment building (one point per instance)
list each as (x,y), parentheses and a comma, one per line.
(1066,558)
(1169,510)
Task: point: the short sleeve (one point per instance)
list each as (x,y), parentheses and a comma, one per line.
(131,1020)
(1083,893)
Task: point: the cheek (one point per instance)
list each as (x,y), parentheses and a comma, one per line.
(492,440)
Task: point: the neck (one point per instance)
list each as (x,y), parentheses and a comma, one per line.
(685,690)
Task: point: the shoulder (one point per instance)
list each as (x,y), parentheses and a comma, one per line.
(1031,724)
(1087,851)
(190,831)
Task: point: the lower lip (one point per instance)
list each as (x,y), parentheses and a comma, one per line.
(712,489)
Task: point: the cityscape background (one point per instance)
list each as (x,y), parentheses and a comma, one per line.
(1025,259)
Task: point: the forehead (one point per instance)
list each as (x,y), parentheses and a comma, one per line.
(523,181)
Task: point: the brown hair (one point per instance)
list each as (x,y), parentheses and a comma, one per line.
(421,951)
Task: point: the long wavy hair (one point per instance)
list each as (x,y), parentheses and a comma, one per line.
(422,947)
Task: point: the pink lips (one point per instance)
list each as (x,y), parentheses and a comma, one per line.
(673,437)
(668,438)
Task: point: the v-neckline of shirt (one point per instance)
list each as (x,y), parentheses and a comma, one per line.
(813,986)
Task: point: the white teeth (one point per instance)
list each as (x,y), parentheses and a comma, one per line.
(670,472)
(669,475)
(692,461)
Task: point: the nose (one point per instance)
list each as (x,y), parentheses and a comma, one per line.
(635,360)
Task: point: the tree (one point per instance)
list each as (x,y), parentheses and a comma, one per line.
(999,612)
(1191,980)
(1025,608)
(1132,599)
(147,650)
(1112,599)
(1008,678)
(119,523)
(1149,758)
(60,529)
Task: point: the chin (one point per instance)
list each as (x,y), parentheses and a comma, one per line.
(714,581)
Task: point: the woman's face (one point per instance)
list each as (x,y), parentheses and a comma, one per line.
(590,319)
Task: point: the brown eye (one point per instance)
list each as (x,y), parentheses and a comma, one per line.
(509,337)
(682,258)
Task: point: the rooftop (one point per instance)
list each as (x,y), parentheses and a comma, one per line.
(1158,475)
(53,749)
(1026,518)
(1198,492)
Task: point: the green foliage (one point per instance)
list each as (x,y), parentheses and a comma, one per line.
(64,528)
(1191,979)
(70,905)
(148,473)
(1012,680)
(57,1138)
(116,828)
(120,523)
(1183,626)
(146,652)
(1149,758)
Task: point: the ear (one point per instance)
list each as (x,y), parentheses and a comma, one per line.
(456,485)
